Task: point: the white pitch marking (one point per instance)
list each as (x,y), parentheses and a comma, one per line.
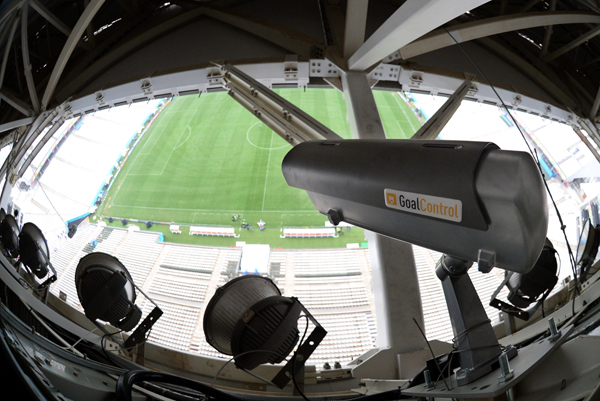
(267,174)
(260,147)
(403,112)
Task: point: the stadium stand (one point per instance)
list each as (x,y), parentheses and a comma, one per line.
(316,262)
(139,253)
(334,284)
(86,158)
(327,296)
(194,258)
(65,254)
(65,262)
(176,326)
(182,288)
(109,239)
(347,337)
(277,266)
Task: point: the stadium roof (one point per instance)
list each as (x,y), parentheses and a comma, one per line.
(95,54)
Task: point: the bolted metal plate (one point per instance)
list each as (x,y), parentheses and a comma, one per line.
(489,386)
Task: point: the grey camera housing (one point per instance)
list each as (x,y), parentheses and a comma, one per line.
(490,203)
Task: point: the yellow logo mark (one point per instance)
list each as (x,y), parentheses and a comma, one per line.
(391,199)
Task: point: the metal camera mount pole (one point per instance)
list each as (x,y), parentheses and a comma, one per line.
(475,342)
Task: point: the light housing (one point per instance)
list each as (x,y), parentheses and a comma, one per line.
(34,251)
(248,319)
(106,291)
(534,286)
(9,230)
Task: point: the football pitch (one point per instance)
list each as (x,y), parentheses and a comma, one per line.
(206,158)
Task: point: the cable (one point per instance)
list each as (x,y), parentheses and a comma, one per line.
(432,354)
(459,336)
(536,158)
(294,360)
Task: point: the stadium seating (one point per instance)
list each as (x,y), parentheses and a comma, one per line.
(191,257)
(176,326)
(334,284)
(139,253)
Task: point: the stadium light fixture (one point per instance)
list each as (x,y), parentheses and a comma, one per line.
(35,254)
(248,319)
(107,293)
(525,289)
(9,230)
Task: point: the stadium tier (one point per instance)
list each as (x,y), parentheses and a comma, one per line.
(84,153)
(334,284)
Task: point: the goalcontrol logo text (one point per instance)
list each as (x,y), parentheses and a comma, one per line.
(426,205)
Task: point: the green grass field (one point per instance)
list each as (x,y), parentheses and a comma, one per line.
(207,158)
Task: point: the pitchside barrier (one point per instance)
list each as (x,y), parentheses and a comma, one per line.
(213,231)
(308,233)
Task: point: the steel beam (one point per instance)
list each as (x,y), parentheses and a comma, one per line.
(33,97)
(569,46)
(287,120)
(8,139)
(362,113)
(26,139)
(356,23)
(412,20)
(397,296)
(82,23)
(595,106)
(293,41)
(35,129)
(16,4)
(556,92)
(591,130)
(528,5)
(592,61)
(432,128)
(89,30)
(51,18)
(548,31)
(15,102)
(8,45)
(15,124)
(586,141)
(492,26)
(98,66)
(40,145)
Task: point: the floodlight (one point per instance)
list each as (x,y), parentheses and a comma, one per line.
(9,229)
(34,252)
(248,319)
(534,286)
(107,292)
(587,248)
(2,217)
